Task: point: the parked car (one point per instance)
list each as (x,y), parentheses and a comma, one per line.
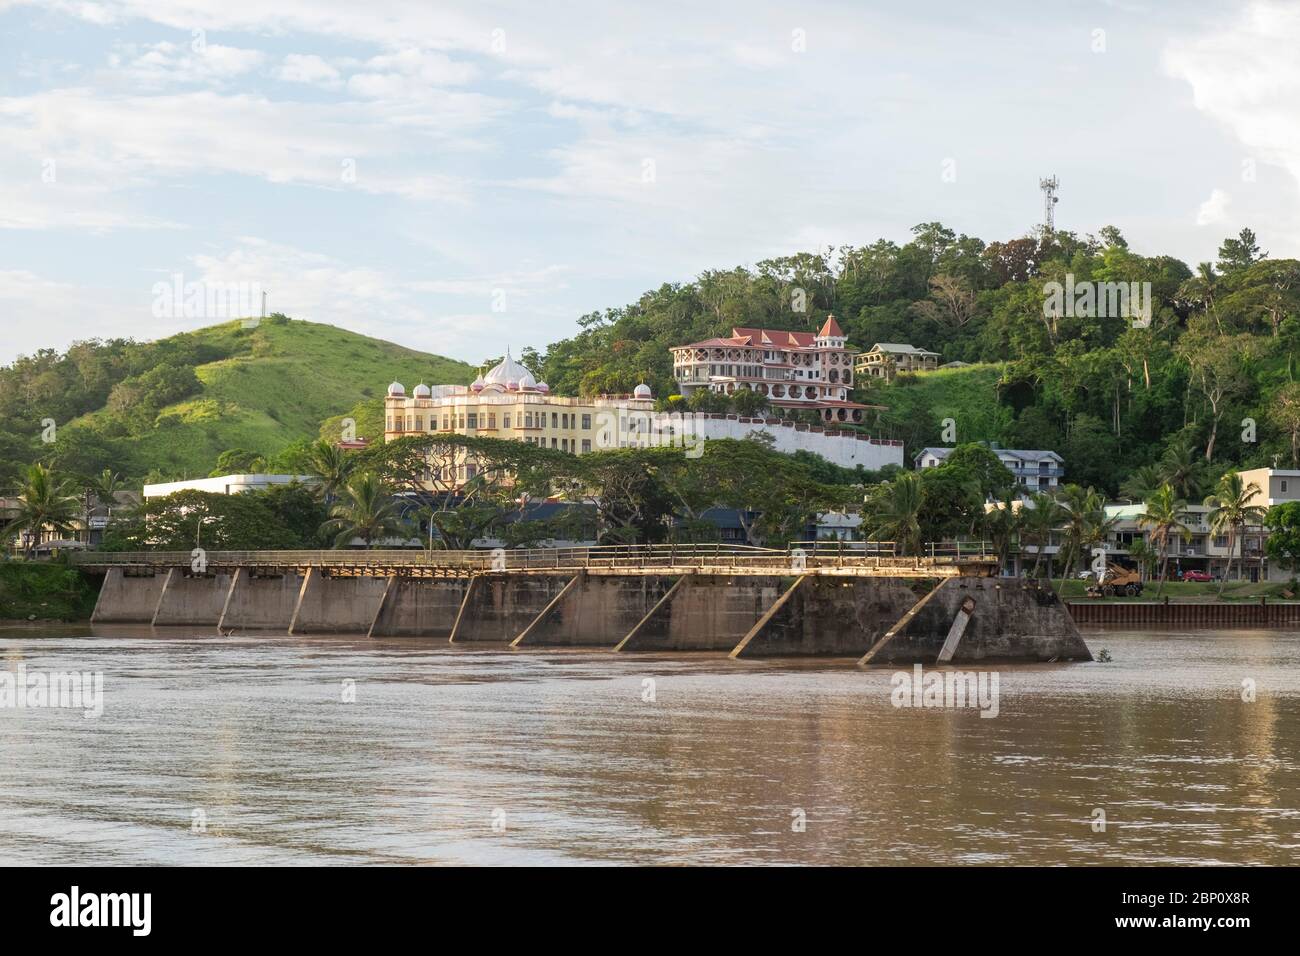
(1196,576)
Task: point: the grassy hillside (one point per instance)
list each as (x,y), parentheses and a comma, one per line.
(918,404)
(281,382)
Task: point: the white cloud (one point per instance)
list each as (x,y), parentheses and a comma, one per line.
(1246,75)
(1214,210)
(165,63)
(307,68)
(117,142)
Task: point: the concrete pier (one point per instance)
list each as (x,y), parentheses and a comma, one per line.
(832,616)
(1009,621)
(192,599)
(498,607)
(595,610)
(419,607)
(706,612)
(886,610)
(261,602)
(337,604)
(127,598)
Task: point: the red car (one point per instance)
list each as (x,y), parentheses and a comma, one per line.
(1196,576)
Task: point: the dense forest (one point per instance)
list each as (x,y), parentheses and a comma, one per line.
(1210,379)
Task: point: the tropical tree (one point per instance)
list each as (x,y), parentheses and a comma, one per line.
(330,466)
(1146,557)
(1139,485)
(365,510)
(1180,469)
(1083,513)
(893,512)
(1040,516)
(1001,524)
(46,502)
(1230,511)
(1163,513)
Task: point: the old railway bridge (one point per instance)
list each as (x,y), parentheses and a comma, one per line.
(858,600)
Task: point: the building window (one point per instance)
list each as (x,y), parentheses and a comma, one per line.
(460,421)
(446,423)
(419,423)
(390,423)
(555,420)
(554,442)
(586,445)
(505,420)
(586,422)
(473,420)
(1283,486)
(492,420)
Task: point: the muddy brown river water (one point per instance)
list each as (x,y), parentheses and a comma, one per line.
(278,750)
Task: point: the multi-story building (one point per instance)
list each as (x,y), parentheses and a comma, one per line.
(887,359)
(1035,469)
(508,402)
(794,370)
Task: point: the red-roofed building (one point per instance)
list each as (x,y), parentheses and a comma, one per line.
(793,369)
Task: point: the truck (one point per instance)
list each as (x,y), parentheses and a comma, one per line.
(1116,579)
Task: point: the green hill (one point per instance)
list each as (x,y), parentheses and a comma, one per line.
(169,408)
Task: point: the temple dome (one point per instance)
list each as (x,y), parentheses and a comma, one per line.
(510,375)
(422,391)
(641,391)
(543,387)
(397,390)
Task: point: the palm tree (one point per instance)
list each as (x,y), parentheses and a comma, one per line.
(1202,290)
(1038,519)
(330,465)
(365,510)
(1139,485)
(1230,511)
(1086,525)
(102,489)
(893,513)
(1163,515)
(1180,469)
(1146,557)
(1001,523)
(45,502)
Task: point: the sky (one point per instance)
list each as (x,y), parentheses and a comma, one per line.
(459,177)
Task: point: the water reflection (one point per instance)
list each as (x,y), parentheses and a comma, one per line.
(561,752)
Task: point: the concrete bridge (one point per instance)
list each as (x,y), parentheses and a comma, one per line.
(850,599)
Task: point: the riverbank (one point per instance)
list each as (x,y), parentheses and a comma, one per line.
(33,591)
(1192,591)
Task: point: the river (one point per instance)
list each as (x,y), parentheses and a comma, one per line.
(279,750)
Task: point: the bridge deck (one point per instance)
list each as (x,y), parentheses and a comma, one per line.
(849,558)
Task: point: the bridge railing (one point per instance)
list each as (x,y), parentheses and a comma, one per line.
(800,555)
(934,551)
(597,556)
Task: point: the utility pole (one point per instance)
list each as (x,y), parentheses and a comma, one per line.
(263,303)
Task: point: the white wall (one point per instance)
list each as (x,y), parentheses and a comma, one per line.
(223,484)
(845,451)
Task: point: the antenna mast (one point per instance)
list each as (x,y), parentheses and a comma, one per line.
(1049,187)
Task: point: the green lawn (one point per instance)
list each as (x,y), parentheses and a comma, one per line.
(287,381)
(1195,591)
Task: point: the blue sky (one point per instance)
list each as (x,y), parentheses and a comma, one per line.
(459,177)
